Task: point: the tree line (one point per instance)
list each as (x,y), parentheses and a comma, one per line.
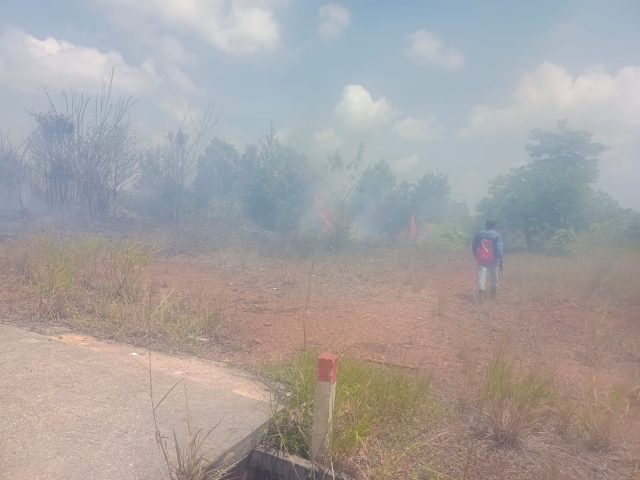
(84,156)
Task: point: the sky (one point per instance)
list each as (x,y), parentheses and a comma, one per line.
(452,87)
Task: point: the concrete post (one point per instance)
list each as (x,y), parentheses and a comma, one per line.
(325,397)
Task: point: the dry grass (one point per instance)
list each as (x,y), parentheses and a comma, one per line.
(600,335)
(188,461)
(597,419)
(516,402)
(100,287)
(184,459)
(603,277)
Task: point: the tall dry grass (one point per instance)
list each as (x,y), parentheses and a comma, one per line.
(101,286)
(516,400)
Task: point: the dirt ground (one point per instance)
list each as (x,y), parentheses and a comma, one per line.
(424,319)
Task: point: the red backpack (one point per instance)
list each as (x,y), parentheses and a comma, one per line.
(486,254)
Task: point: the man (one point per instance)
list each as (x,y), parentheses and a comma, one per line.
(487,250)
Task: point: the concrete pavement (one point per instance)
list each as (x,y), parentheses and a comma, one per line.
(75,408)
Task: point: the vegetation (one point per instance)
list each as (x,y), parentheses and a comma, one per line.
(516,402)
(84,157)
(582,257)
(552,198)
(391,422)
(99,286)
(373,404)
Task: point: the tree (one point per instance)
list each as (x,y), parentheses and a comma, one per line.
(83,154)
(51,148)
(276,185)
(430,197)
(387,207)
(218,173)
(374,185)
(12,171)
(550,193)
(168,169)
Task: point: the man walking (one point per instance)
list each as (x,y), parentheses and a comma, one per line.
(487,250)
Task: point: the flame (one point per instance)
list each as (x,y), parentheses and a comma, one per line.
(413,231)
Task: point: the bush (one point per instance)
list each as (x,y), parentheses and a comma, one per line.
(371,401)
(453,237)
(277,189)
(562,242)
(516,402)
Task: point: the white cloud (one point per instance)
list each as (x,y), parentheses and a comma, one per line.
(182,81)
(406,167)
(358,110)
(327,140)
(287,135)
(27,62)
(425,47)
(334,19)
(234,27)
(178,108)
(606,104)
(417,129)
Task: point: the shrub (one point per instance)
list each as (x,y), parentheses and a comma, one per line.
(562,242)
(516,402)
(371,401)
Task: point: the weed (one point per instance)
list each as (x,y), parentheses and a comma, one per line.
(52,269)
(372,402)
(597,423)
(516,402)
(597,418)
(190,463)
(124,267)
(599,333)
(291,425)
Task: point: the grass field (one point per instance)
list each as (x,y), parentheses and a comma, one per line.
(543,382)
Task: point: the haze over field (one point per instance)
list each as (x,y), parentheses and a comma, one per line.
(450,87)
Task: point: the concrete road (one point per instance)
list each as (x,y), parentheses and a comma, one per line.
(74,408)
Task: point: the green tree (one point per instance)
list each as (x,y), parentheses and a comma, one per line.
(388,207)
(373,187)
(217,175)
(430,197)
(552,191)
(276,183)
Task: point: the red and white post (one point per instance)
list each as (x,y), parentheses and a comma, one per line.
(324,401)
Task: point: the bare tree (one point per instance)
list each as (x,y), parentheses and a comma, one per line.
(170,168)
(84,153)
(12,171)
